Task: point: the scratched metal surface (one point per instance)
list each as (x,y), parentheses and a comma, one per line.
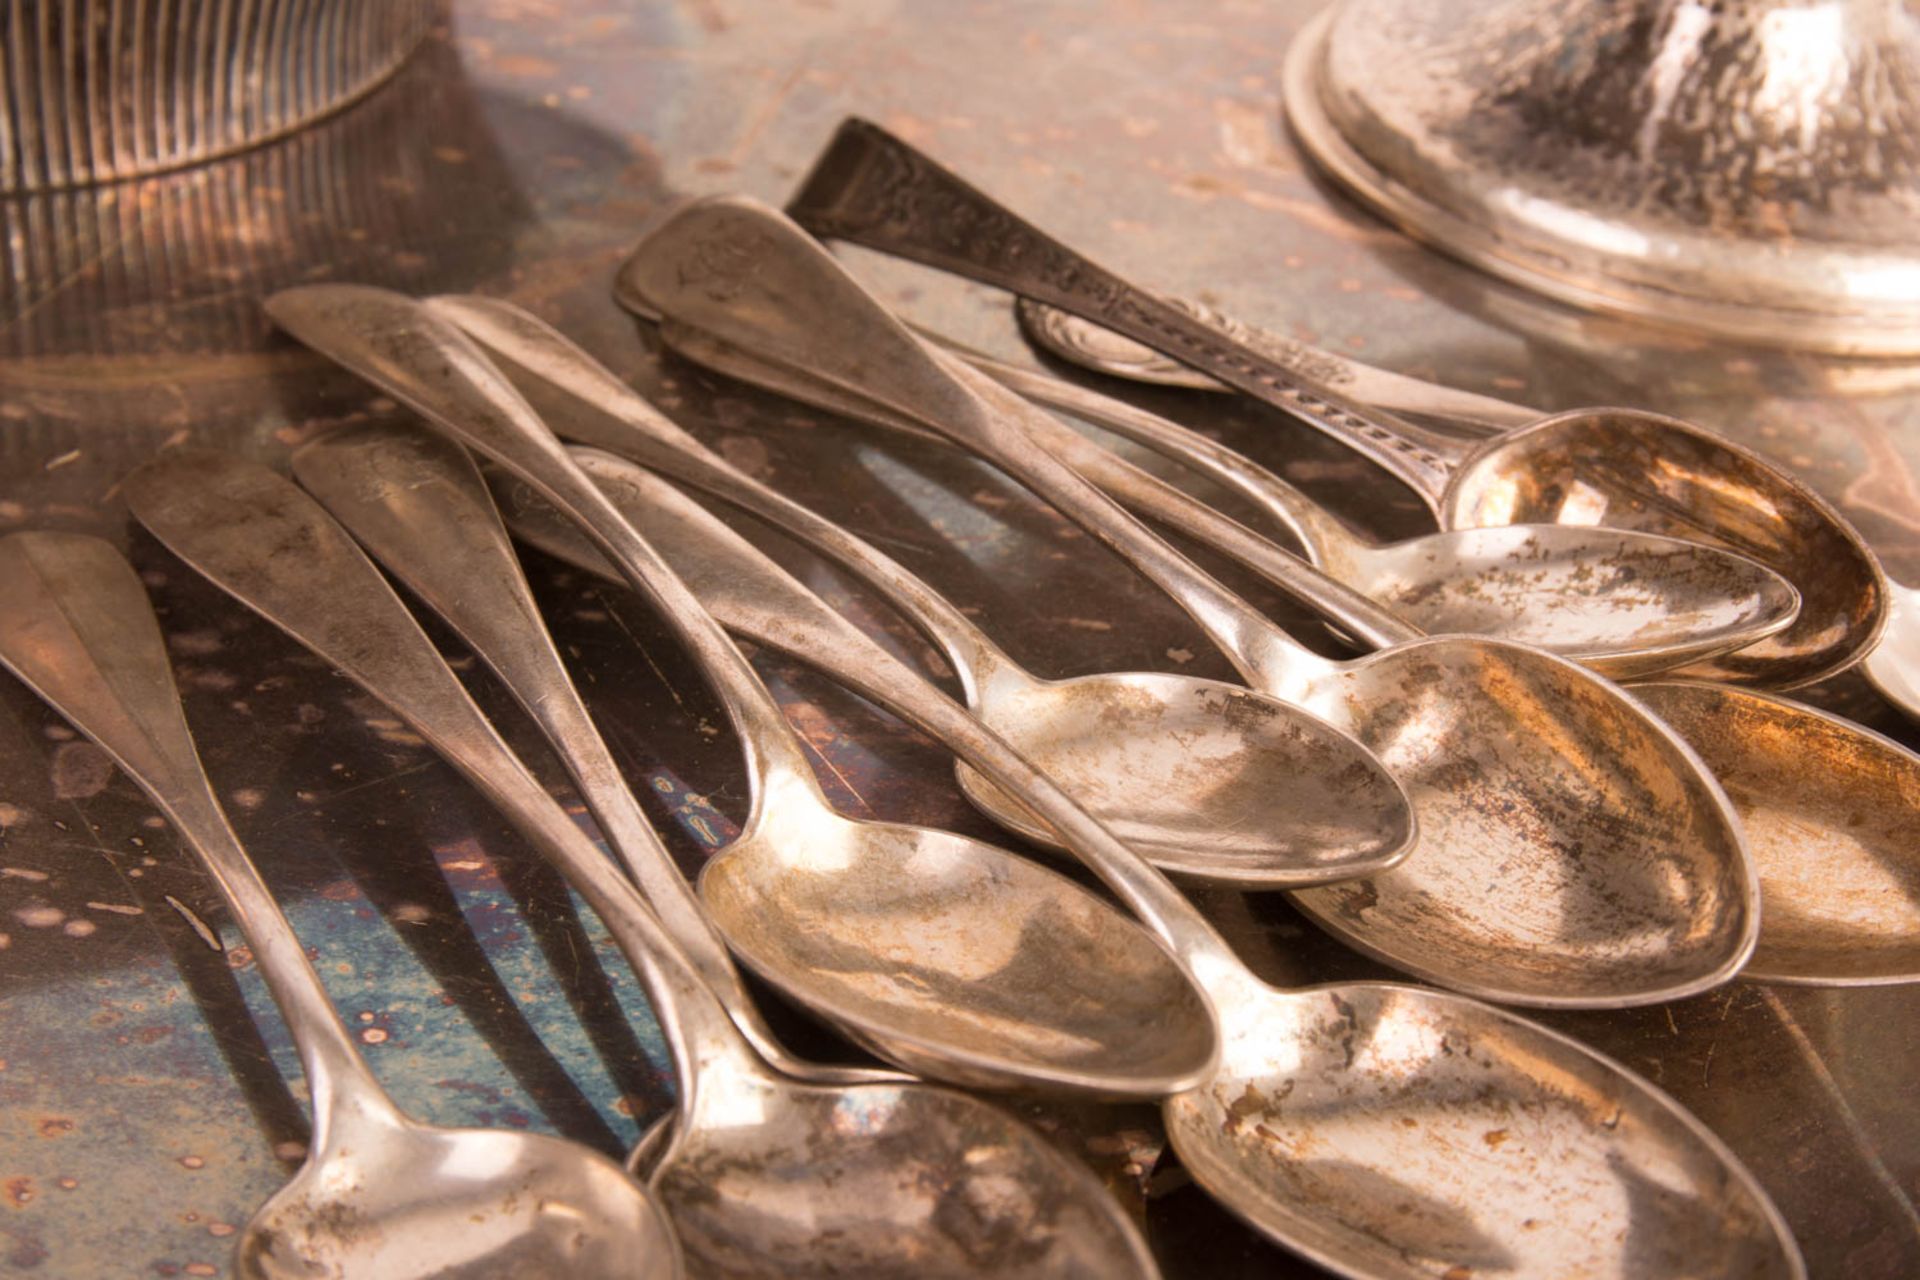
(147,1097)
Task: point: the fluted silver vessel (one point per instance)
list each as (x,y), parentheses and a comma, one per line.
(98,90)
(1744,168)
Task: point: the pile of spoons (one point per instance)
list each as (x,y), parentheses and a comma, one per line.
(1473,800)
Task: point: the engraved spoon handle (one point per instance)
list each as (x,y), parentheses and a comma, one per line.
(1468,414)
(79,630)
(871,188)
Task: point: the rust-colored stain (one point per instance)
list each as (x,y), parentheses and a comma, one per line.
(19,1192)
(55,1126)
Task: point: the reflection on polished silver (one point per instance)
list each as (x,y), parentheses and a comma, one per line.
(1747,170)
(1198,776)
(379,1196)
(1830,811)
(1624,603)
(1894,664)
(1383,1131)
(943,953)
(1617,467)
(416,501)
(765,1176)
(1101,349)
(1573,851)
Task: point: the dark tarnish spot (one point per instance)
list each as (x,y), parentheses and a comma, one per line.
(80,770)
(1249,1103)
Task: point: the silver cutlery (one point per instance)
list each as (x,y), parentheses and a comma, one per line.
(763,1175)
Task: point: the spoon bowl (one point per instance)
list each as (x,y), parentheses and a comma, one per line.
(1633,470)
(969,1194)
(965,963)
(1403,1134)
(1830,811)
(1158,757)
(1508,752)
(1624,605)
(401,1199)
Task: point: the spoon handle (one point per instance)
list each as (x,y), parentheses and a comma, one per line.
(584,401)
(871,188)
(1468,414)
(79,630)
(417,502)
(757,598)
(259,538)
(412,354)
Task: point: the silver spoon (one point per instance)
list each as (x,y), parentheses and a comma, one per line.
(1197,776)
(1381,1130)
(1590,466)
(1574,852)
(379,1196)
(1894,664)
(986,1007)
(764,1176)
(1622,602)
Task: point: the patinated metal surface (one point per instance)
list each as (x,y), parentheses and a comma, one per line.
(145,1108)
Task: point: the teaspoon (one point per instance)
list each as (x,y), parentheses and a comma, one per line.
(1622,602)
(764,1176)
(1573,851)
(1384,1131)
(1200,777)
(379,1196)
(1614,466)
(974,1010)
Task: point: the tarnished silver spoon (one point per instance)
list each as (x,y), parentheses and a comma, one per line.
(764,1176)
(1200,777)
(1619,467)
(1622,602)
(985,1007)
(379,1196)
(1573,850)
(1383,1131)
